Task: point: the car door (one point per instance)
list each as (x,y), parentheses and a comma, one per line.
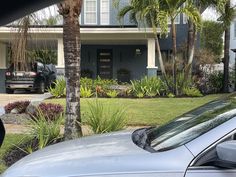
(204,164)
(209,171)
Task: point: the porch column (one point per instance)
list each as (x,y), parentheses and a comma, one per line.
(3,66)
(3,54)
(60,54)
(151,58)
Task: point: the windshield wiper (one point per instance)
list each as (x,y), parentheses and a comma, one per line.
(140,138)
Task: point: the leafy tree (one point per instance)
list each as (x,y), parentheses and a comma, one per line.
(212,41)
(70,10)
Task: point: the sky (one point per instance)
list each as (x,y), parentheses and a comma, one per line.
(211,14)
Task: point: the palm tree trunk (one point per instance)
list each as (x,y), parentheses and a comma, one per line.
(163,71)
(70,9)
(226,61)
(174,55)
(192,37)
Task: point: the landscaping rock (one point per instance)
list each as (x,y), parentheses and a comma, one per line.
(14,111)
(14,118)
(32,108)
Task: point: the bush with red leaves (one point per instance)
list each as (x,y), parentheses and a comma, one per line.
(50,111)
(19,105)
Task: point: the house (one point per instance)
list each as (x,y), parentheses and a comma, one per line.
(107,44)
(232,52)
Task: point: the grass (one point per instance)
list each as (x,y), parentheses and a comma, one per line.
(156,111)
(9,141)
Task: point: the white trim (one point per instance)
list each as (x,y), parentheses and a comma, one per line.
(101,12)
(83,30)
(85,13)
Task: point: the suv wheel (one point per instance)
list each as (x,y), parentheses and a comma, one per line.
(9,91)
(41,88)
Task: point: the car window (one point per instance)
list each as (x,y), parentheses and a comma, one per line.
(192,124)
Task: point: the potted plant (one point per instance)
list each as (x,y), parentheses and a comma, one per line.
(87,73)
(123,75)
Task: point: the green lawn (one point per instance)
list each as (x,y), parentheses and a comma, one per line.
(9,141)
(155,111)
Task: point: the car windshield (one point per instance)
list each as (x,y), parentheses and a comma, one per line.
(192,124)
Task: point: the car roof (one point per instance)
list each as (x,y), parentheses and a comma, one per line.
(15,9)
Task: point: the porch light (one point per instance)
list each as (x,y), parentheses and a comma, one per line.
(138,51)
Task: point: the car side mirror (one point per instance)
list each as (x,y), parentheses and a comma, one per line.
(226,153)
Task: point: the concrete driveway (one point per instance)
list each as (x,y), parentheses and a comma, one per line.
(9,98)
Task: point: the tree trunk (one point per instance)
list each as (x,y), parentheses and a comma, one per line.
(174,55)
(226,61)
(163,71)
(192,37)
(70,10)
(226,52)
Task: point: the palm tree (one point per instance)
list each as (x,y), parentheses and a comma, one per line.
(173,8)
(147,13)
(200,5)
(227,15)
(70,11)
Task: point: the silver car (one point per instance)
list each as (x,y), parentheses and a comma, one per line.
(200,143)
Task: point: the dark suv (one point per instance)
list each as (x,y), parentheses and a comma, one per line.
(38,77)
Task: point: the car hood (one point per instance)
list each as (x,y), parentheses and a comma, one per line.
(104,154)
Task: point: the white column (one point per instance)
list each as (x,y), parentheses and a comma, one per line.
(3,54)
(60,53)
(151,58)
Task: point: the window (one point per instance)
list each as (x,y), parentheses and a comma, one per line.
(177,20)
(185,19)
(192,124)
(90,12)
(105,12)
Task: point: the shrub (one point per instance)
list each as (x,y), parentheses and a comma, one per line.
(150,87)
(49,111)
(170,95)
(45,131)
(59,89)
(85,92)
(112,93)
(192,92)
(215,81)
(103,119)
(19,105)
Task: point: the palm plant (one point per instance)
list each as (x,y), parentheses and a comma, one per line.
(227,15)
(70,11)
(149,14)
(171,9)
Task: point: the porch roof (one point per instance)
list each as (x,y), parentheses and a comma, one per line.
(87,33)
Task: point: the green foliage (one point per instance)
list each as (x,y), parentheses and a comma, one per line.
(215,81)
(170,95)
(45,56)
(98,82)
(179,81)
(103,119)
(149,87)
(212,41)
(45,131)
(192,92)
(85,92)
(59,88)
(112,93)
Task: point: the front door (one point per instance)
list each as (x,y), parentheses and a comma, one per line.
(104,65)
